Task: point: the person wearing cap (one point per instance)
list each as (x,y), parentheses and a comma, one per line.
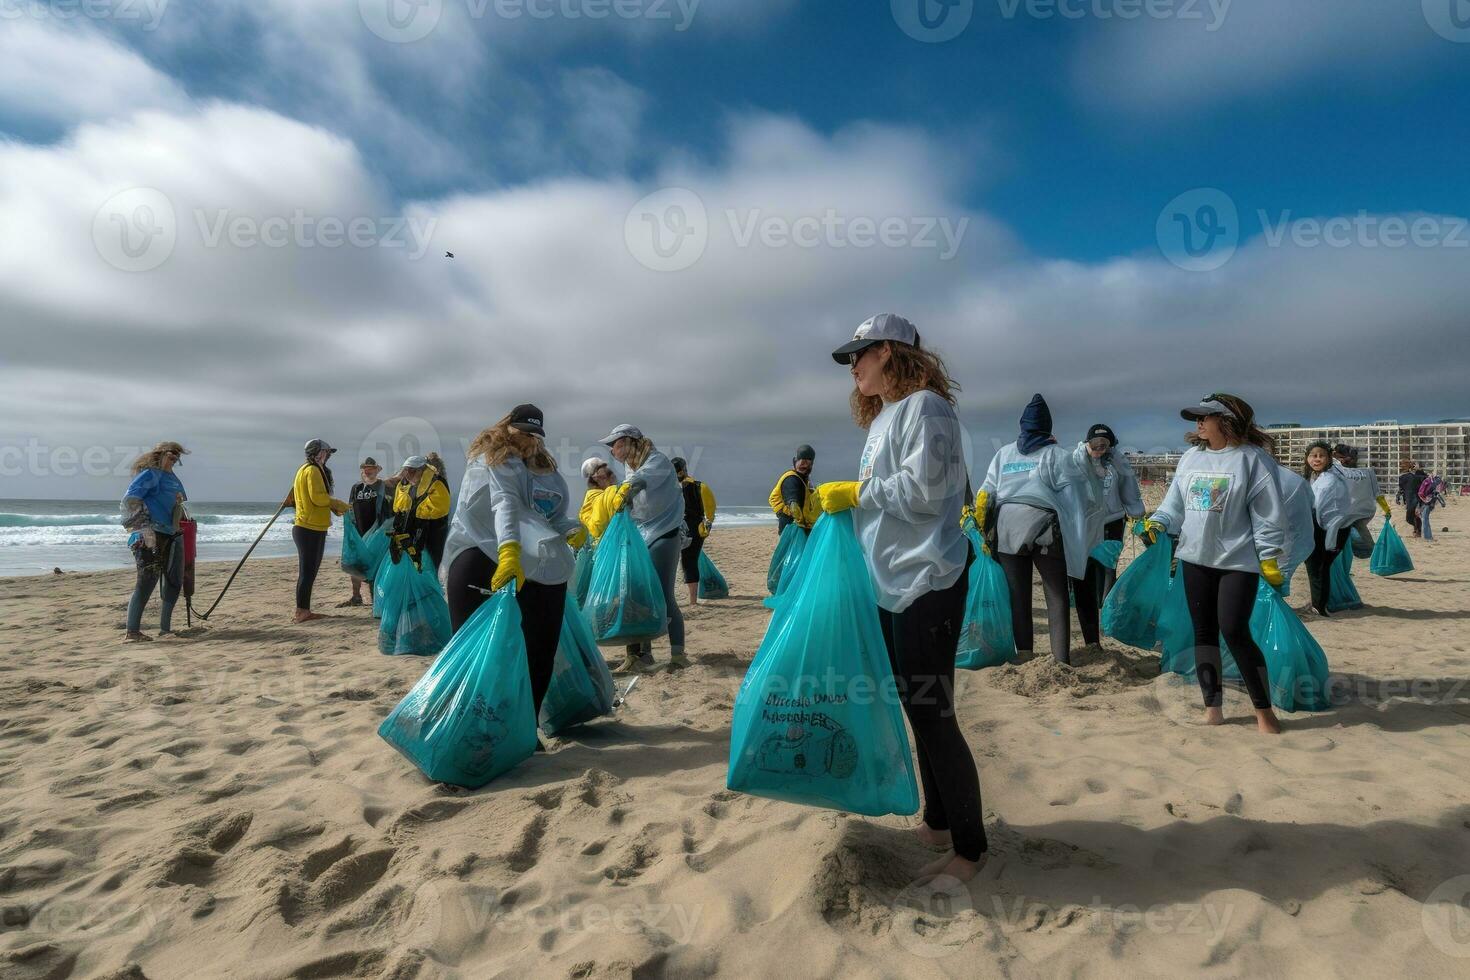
(152,509)
(792,498)
(596,511)
(1226,507)
(1046,512)
(1122,501)
(1368,499)
(655,502)
(1331,509)
(420,499)
(906,505)
(371,506)
(311,494)
(512,491)
(699,517)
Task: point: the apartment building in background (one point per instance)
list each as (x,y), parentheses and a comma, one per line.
(1442,448)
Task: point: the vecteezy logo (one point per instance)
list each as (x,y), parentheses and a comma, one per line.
(401,21)
(1450,19)
(1446,917)
(135,230)
(668,230)
(1199,230)
(932,21)
(935,919)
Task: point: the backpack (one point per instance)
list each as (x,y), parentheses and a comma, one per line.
(1428,490)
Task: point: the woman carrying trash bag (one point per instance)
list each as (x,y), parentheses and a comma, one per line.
(597,512)
(1331,507)
(419,502)
(906,506)
(152,507)
(372,504)
(311,493)
(1122,500)
(510,488)
(1048,516)
(1226,507)
(655,502)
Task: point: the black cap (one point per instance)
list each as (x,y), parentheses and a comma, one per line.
(680,466)
(1342,449)
(805,452)
(369,461)
(1101,430)
(315,446)
(527,418)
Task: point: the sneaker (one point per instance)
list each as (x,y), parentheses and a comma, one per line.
(678,661)
(354,601)
(138,638)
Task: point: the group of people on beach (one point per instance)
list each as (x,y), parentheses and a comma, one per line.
(1042,509)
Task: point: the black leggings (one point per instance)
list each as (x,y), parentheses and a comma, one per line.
(921,649)
(541,608)
(1054,581)
(436,534)
(1220,603)
(1095,585)
(689,558)
(1319,565)
(310,546)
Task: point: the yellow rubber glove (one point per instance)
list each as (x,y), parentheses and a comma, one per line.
(982,500)
(967,517)
(1152,529)
(577,538)
(617,497)
(839,496)
(508,567)
(1272,573)
(704,529)
(1383,506)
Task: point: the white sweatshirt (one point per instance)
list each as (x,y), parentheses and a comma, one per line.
(1226,507)
(913,488)
(1332,504)
(658,507)
(1052,479)
(511,503)
(1119,484)
(1362,485)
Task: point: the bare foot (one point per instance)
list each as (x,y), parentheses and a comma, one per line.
(933,838)
(1267,723)
(950,866)
(306,616)
(1214,716)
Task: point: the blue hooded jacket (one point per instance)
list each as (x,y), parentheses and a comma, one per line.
(1035,426)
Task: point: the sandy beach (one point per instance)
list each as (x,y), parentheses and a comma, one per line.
(219,804)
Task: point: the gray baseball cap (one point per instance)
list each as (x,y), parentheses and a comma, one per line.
(875,330)
(624,431)
(1207,407)
(415,463)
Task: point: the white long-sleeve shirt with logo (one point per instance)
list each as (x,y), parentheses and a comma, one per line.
(913,488)
(1226,507)
(1332,504)
(1362,485)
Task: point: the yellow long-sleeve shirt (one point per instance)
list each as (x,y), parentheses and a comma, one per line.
(433,492)
(314,505)
(597,510)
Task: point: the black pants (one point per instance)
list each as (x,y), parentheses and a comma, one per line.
(436,534)
(1220,603)
(1094,587)
(1411,514)
(309,548)
(541,612)
(1054,581)
(689,558)
(921,649)
(1319,565)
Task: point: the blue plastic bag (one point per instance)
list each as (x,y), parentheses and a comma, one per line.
(1107,553)
(471,716)
(712,584)
(1341,592)
(1130,614)
(625,602)
(1390,557)
(582,572)
(374,548)
(986,638)
(581,685)
(817,720)
(1176,637)
(786,557)
(1295,664)
(415,617)
(354,559)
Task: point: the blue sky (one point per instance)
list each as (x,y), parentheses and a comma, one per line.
(525,143)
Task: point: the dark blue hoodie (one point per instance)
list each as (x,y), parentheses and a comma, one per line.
(1035,426)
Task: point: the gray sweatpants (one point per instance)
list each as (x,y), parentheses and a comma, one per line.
(665,555)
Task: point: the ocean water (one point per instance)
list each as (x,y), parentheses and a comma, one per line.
(84,535)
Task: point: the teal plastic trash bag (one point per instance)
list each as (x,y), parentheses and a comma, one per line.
(470,717)
(581,686)
(374,550)
(625,602)
(354,558)
(786,557)
(712,584)
(582,572)
(1390,557)
(1106,553)
(817,720)
(1295,664)
(415,617)
(1130,614)
(1342,594)
(986,637)
(1176,637)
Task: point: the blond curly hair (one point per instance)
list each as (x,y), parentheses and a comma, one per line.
(153,458)
(500,442)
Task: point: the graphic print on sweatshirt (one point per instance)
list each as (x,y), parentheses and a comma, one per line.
(865,465)
(545,501)
(1018,466)
(1208,491)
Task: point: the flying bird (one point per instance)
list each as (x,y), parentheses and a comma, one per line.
(449,255)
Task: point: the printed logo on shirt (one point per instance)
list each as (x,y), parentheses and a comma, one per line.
(1208,491)
(1019,466)
(545,501)
(865,465)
